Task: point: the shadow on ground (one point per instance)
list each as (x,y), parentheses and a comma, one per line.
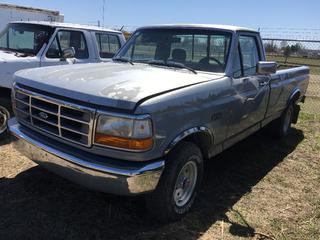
(39,205)
(5,141)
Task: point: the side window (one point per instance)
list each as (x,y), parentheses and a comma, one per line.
(114,44)
(108,44)
(249,54)
(67,39)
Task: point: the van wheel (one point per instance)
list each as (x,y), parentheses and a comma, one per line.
(178,185)
(281,127)
(5,114)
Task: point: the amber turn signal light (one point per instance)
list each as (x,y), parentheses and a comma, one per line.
(124,143)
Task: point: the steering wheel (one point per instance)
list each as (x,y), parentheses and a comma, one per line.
(206,60)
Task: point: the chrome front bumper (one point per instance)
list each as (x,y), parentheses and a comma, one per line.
(131,179)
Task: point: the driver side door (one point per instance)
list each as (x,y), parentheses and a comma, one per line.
(251,90)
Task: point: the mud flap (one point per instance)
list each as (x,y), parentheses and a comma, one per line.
(296,111)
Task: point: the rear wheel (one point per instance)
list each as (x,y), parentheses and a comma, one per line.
(281,127)
(178,185)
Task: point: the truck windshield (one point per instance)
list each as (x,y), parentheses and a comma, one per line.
(25,38)
(201,50)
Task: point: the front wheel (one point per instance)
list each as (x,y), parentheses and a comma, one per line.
(5,114)
(4,117)
(178,185)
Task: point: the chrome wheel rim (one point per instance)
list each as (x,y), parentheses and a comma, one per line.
(4,116)
(287,120)
(185,184)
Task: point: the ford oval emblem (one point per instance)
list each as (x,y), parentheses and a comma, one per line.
(43,115)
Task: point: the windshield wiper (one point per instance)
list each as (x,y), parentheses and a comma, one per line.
(171,64)
(125,60)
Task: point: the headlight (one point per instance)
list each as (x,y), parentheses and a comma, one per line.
(125,133)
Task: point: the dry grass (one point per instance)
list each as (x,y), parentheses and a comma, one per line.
(260,189)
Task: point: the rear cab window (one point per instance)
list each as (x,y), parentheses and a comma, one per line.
(108,44)
(65,39)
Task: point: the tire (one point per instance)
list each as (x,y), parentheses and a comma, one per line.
(281,127)
(178,185)
(5,114)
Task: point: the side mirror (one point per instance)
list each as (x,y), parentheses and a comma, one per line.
(68,53)
(266,68)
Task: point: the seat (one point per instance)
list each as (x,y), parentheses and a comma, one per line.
(179,55)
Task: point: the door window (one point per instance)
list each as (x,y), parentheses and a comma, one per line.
(66,39)
(249,54)
(108,44)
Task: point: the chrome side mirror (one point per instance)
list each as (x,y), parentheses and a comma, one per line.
(266,68)
(68,53)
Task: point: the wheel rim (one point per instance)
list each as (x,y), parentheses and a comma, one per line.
(287,120)
(185,183)
(4,116)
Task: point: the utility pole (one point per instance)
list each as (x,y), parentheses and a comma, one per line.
(103,5)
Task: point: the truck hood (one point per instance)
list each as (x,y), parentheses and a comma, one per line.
(10,62)
(8,56)
(117,85)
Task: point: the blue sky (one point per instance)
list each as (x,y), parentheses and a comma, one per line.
(249,13)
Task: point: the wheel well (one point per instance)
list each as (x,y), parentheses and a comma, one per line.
(295,96)
(203,140)
(5,92)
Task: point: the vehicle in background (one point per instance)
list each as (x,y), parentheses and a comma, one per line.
(174,97)
(41,44)
(10,13)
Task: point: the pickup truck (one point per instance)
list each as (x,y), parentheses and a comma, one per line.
(174,97)
(39,44)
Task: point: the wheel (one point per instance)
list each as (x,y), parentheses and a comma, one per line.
(178,185)
(281,127)
(5,114)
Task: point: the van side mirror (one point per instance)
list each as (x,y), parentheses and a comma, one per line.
(68,53)
(266,68)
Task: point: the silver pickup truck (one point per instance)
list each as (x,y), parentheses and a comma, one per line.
(32,44)
(173,98)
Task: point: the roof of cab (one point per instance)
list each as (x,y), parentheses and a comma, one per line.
(201,26)
(68,25)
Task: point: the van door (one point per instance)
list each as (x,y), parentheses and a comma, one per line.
(251,89)
(63,39)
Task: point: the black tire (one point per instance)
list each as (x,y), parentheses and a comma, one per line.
(281,127)
(5,114)
(162,203)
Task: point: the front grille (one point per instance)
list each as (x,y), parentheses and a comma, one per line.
(62,119)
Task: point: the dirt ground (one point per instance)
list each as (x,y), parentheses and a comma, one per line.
(259,189)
